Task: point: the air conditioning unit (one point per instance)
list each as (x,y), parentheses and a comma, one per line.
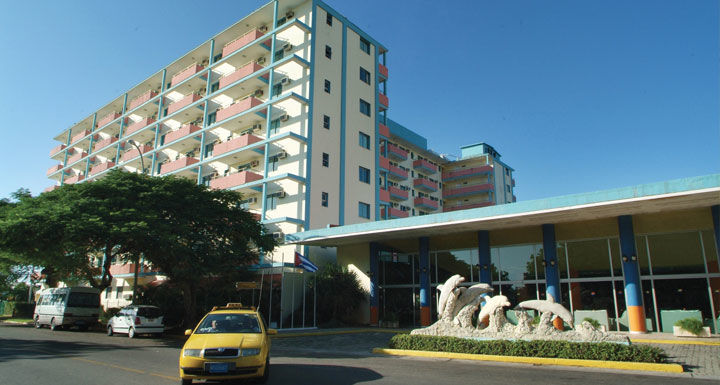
(290,15)
(285,81)
(258,92)
(282,155)
(263,28)
(278,235)
(254,163)
(256,126)
(284,118)
(287,47)
(260,60)
(281,194)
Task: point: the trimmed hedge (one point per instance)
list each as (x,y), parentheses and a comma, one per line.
(603,351)
(18,309)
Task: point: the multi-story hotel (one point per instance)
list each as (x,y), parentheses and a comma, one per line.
(288,106)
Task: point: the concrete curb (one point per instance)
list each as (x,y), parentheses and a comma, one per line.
(673,342)
(648,367)
(336,332)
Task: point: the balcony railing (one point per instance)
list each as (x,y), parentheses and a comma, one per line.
(467,206)
(51,188)
(468,190)
(177,164)
(384,130)
(232,180)
(240,73)
(142,99)
(425,185)
(186,73)
(397,173)
(54,169)
(133,153)
(57,149)
(240,42)
(76,157)
(238,107)
(426,203)
(384,101)
(234,144)
(383,70)
(396,152)
(394,213)
(107,119)
(424,166)
(181,133)
(140,124)
(397,193)
(182,103)
(104,143)
(74,179)
(79,136)
(466,173)
(384,195)
(102,167)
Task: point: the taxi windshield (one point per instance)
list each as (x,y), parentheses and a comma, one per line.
(229,323)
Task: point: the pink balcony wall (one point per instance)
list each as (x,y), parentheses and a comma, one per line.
(384,162)
(101,167)
(242,105)
(178,164)
(186,73)
(466,172)
(133,153)
(397,213)
(427,202)
(384,101)
(424,164)
(54,169)
(79,136)
(384,195)
(468,206)
(240,73)
(469,190)
(398,193)
(383,70)
(181,133)
(397,151)
(142,99)
(57,149)
(104,143)
(384,130)
(425,183)
(242,141)
(184,102)
(107,119)
(76,157)
(140,124)
(232,180)
(241,42)
(51,188)
(74,179)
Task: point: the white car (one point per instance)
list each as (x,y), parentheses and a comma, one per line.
(137,319)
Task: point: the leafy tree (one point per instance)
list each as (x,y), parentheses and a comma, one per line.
(339,294)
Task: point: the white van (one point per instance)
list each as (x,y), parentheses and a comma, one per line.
(67,306)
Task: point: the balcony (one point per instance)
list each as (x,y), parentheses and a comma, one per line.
(232,180)
(102,167)
(383,70)
(107,119)
(240,73)
(384,130)
(424,166)
(512,181)
(397,193)
(104,143)
(181,133)
(54,169)
(240,42)
(238,107)
(51,188)
(79,136)
(234,144)
(140,124)
(134,153)
(384,101)
(396,152)
(57,149)
(394,213)
(177,164)
(182,103)
(142,99)
(466,173)
(384,195)
(186,73)
(467,206)
(74,179)
(425,203)
(426,185)
(394,172)
(76,157)
(468,190)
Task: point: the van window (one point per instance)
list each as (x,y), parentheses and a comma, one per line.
(84,300)
(149,312)
(57,299)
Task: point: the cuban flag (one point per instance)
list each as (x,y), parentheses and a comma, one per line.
(305,263)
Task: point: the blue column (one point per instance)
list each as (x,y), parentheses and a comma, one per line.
(631,275)
(374,256)
(425,313)
(552,275)
(484,257)
(716,226)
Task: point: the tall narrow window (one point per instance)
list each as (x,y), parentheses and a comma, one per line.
(327,86)
(365,46)
(325,199)
(363,210)
(364,75)
(364,174)
(325,159)
(328,19)
(364,140)
(328,52)
(365,108)
(326,122)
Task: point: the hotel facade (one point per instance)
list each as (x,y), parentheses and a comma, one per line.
(289,107)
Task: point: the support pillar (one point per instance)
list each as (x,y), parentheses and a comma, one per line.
(374,256)
(713,266)
(484,257)
(552,275)
(425,314)
(631,275)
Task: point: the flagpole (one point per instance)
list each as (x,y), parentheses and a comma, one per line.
(303,289)
(282,289)
(292,305)
(315,301)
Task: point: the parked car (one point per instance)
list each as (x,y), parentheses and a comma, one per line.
(231,342)
(66,307)
(137,319)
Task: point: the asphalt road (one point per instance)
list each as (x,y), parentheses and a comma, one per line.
(30,356)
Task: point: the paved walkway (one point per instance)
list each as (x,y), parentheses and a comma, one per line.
(699,356)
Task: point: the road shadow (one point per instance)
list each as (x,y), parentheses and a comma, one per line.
(18,349)
(320,374)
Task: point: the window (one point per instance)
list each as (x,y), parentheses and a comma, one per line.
(273,163)
(364,210)
(280,21)
(364,75)
(211,118)
(209,149)
(364,140)
(214,87)
(274,125)
(364,107)
(279,54)
(328,19)
(364,174)
(326,159)
(271,202)
(508,188)
(325,199)
(327,86)
(277,89)
(365,46)
(217,57)
(328,52)
(326,122)
(118,291)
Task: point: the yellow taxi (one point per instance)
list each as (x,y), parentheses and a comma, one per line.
(230,342)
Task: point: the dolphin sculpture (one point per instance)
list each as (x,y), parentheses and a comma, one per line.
(446,289)
(492,303)
(548,305)
(467,296)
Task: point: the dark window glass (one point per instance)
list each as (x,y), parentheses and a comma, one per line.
(329,19)
(328,52)
(326,122)
(364,175)
(365,108)
(327,86)
(325,199)
(364,75)
(83,300)
(326,159)
(364,210)
(365,46)
(364,140)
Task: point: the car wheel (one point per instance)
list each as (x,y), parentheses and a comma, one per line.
(109,331)
(263,379)
(37,323)
(54,326)
(185,381)
(131,333)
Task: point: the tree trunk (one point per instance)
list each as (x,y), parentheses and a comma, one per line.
(188,291)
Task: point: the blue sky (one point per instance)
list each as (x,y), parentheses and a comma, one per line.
(577,96)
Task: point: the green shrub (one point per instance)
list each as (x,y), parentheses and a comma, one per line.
(603,351)
(592,321)
(693,325)
(23,310)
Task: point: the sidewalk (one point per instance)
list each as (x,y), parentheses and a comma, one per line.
(699,356)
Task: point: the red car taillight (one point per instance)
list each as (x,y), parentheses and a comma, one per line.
(137,320)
